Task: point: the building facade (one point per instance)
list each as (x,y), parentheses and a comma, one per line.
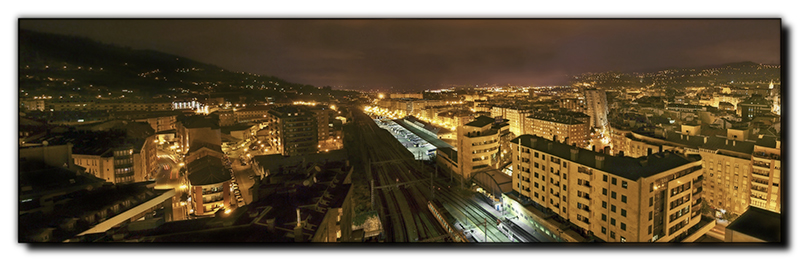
(295,130)
(615,199)
(559,126)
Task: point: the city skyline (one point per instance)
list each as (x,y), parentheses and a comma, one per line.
(418,54)
(667,131)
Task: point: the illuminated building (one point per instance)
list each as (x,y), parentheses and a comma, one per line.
(739,172)
(515,116)
(615,199)
(572,104)
(479,146)
(209,183)
(294,130)
(405,96)
(251,114)
(197,128)
(565,127)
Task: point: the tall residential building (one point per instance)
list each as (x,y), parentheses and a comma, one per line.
(515,116)
(615,199)
(597,108)
(480,145)
(561,126)
(294,130)
(738,172)
(766,188)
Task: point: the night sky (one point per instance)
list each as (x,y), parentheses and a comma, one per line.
(423,54)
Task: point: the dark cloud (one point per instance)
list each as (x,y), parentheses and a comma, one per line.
(412,53)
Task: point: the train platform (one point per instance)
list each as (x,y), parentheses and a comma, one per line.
(509,217)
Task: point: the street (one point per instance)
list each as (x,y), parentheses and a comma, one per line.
(168,177)
(243,177)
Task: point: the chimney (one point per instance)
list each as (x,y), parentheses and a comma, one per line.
(726,141)
(705,140)
(594,148)
(299,222)
(550,146)
(573,154)
(599,161)
(622,153)
(734,142)
(298,230)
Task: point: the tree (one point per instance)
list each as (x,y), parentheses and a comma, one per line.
(705,209)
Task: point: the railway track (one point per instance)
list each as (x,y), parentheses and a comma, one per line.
(402,208)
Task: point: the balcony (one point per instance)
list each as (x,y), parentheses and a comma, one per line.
(760,164)
(760,182)
(761,174)
(765,155)
(696,192)
(759,189)
(758,197)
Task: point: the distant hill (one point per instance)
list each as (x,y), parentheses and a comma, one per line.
(68,64)
(731,74)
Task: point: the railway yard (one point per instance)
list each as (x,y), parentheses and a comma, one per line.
(401,188)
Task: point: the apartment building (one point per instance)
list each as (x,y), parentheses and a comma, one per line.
(294,130)
(565,127)
(252,114)
(611,198)
(515,116)
(210,186)
(738,172)
(479,146)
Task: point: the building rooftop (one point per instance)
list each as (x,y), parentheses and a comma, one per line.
(37,178)
(99,143)
(270,218)
(759,223)
(559,117)
(206,171)
(283,110)
(481,121)
(255,108)
(81,203)
(717,142)
(627,167)
(197,145)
